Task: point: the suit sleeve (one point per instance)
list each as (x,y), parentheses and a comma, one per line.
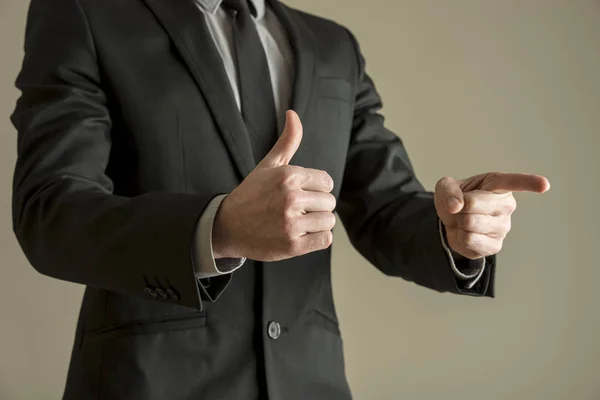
(68,221)
(390,218)
(204,260)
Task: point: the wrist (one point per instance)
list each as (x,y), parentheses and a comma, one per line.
(456,256)
(221,242)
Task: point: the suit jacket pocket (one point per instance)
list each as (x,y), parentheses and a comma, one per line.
(334,88)
(145,327)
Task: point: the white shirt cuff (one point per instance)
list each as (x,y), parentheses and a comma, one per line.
(473,274)
(205,264)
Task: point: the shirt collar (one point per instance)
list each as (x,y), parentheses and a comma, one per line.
(211,6)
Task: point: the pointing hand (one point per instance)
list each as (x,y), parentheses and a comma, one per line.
(476,211)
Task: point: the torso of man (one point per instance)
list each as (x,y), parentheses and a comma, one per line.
(130,126)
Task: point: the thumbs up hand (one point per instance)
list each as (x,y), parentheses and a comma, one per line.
(279,211)
(476,211)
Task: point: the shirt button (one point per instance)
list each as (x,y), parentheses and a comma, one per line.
(274,330)
(150,292)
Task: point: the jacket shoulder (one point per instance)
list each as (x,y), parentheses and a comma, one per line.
(325,28)
(333,43)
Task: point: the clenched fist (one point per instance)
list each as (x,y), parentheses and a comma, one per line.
(476,211)
(279,211)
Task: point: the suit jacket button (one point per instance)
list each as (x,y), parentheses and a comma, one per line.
(172,294)
(161,293)
(150,292)
(274,330)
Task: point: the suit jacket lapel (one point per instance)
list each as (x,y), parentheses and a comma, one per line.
(300,39)
(187,28)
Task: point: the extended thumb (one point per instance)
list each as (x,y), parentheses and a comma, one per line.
(450,195)
(287,145)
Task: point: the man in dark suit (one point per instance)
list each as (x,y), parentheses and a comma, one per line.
(150,169)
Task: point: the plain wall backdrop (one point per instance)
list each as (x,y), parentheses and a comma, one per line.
(471,86)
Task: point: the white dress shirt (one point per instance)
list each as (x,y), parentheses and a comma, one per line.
(280,59)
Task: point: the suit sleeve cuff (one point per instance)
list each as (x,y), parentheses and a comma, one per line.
(472,272)
(205,264)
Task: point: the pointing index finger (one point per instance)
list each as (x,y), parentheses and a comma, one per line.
(516,182)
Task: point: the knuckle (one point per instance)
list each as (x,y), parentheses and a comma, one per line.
(289,176)
(512,205)
(315,242)
(471,203)
(330,220)
(328,182)
(288,224)
(473,222)
(290,200)
(506,210)
(497,246)
(330,201)
(324,240)
(469,222)
(470,240)
(320,241)
(328,239)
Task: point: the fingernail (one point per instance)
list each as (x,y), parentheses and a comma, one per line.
(452,203)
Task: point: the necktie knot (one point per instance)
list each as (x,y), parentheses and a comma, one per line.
(239,5)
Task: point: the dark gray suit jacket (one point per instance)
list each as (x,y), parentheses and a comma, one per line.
(127,129)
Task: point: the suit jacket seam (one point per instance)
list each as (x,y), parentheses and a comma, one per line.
(88,27)
(356,57)
(78,178)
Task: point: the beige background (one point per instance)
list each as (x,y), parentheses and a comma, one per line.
(471,86)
